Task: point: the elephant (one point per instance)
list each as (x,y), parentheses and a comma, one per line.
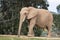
(42,18)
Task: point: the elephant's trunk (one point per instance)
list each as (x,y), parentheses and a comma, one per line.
(22,18)
(19,29)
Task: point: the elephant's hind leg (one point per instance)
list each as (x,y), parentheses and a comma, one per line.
(49,30)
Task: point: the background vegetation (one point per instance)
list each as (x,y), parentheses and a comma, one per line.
(58,8)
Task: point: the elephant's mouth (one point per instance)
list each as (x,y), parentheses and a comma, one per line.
(28,20)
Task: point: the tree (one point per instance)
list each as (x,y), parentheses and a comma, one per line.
(58,8)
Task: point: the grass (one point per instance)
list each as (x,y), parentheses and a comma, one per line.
(16,38)
(25,38)
(12,38)
(8,38)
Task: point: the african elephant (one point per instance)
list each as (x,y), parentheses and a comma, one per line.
(40,17)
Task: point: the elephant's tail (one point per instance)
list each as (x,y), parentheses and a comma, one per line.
(53,24)
(45,29)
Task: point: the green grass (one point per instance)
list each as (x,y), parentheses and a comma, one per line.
(36,39)
(26,38)
(16,38)
(8,38)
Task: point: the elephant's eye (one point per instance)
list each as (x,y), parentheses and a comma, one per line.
(24,13)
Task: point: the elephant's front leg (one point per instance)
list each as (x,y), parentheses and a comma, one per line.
(31,25)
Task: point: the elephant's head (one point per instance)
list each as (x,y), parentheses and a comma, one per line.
(28,12)
(23,13)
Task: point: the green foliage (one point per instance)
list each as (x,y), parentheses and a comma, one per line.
(58,6)
(10,17)
(56,27)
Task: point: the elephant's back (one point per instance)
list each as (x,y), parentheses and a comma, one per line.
(44,14)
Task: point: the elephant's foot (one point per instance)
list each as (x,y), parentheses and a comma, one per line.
(18,35)
(30,34)
(49,36)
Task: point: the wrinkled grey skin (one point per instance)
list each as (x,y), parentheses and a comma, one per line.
(40,17)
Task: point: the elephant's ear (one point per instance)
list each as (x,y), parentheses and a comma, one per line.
(32,14)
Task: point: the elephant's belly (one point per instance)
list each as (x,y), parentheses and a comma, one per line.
(41,23)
